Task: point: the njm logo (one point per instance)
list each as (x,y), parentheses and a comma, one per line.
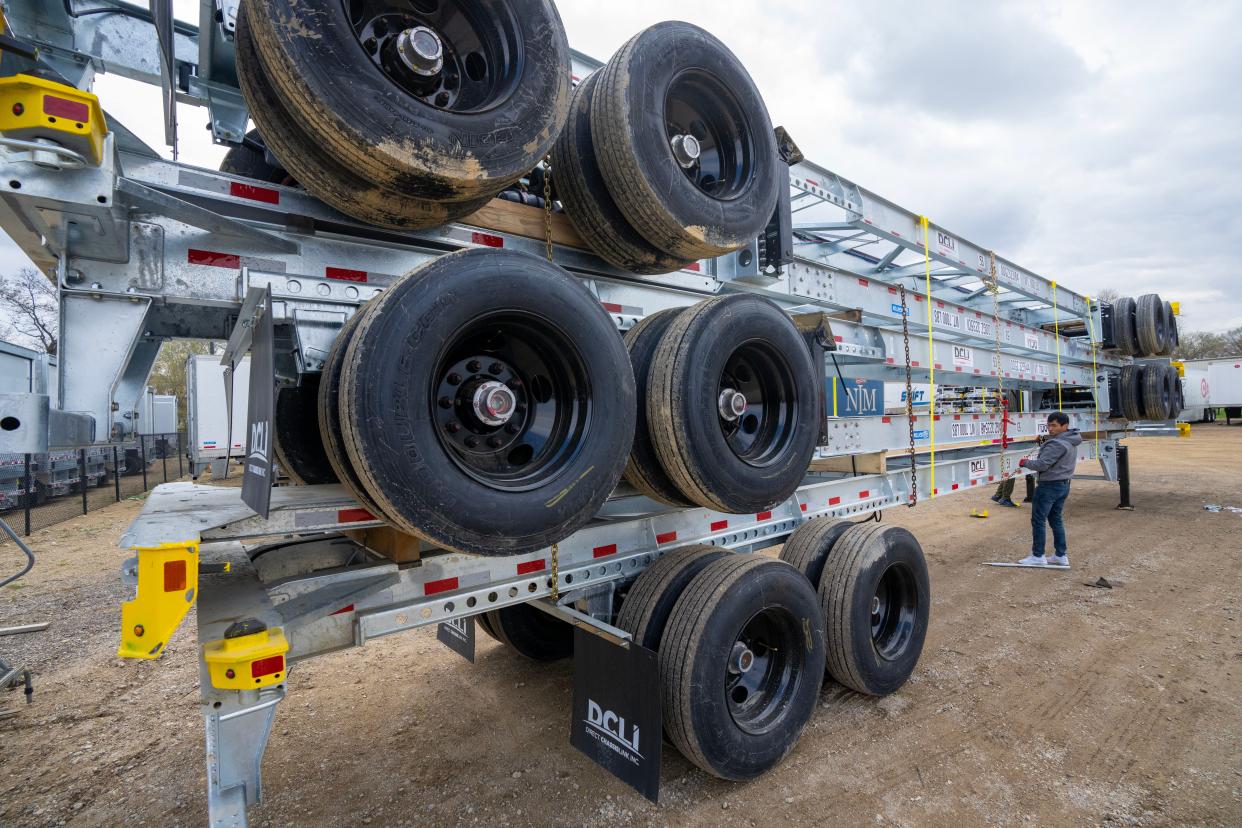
(612,726)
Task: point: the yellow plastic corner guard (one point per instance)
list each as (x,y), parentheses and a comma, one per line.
(247,662)
(33,108)
(1177,308)
(1180,366)
(1183,429)
(167,588)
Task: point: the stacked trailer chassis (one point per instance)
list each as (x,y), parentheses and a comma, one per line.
(145,250)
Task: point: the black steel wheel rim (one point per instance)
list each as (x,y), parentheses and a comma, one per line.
(480,55)
(697,103)
(894,611)
(759,434)
(527,362)
(763,670)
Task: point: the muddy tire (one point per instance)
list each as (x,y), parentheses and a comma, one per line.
(531,632)
(807,549)
(643,471)
(330,434)
(1130,390)
(1124,336)
(741,664)
(249,160)
(645,610)
(875,596)
(747,349)
(318,171)
(447,102)
(501,380)
(297,442)
(1157,392)
(589,206)
(671,80)
(1149,324)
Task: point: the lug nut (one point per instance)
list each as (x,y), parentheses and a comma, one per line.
(453,427)
(472,442)
(495,368)
(495,442)
(513,428)
(454,378)
(445,402)
(474,366)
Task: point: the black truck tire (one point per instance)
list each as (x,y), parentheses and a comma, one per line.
(1173,339)
(674,79)
(465,130)
(645,610)
(1124,336)
(318,171)
(741,665)
(1130,389)
(330,413)
(643,470)
(297,442)
(875,595)
(808,548)
(1176,400)
(531,632)
(1149,324)
(590,208)
(487,402)
(249,159)
(1157,392)
(735,343)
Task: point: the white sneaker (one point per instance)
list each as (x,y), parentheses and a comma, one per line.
(1059,560)
(1032,560)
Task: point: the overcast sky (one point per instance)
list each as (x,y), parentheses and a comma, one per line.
(1098,144)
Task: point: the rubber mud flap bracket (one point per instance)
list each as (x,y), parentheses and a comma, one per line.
(616,710)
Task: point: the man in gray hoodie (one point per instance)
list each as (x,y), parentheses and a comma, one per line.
(1055,466)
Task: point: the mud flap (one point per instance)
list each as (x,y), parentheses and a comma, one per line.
(616,711)
(458,636)
(257,476)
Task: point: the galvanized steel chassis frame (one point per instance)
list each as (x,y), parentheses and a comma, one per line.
(145,249)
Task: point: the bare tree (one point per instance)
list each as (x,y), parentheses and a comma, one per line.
(1109,295)
(29,302)
(168,375)
(1208,345)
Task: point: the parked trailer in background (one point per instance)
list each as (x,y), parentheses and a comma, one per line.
(207,413)
(1224,383)
(1196,389)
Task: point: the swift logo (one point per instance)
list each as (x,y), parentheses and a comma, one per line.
(610,726)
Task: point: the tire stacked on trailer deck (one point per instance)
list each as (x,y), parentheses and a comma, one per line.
(669,156)
(446,103)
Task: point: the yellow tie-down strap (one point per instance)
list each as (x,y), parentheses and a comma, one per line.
(247,662)
(167,588)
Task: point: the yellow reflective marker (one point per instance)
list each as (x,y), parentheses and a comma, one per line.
(167,588)
(247,662)
(33,108)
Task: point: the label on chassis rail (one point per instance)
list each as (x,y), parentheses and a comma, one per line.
(974,428)
(978,469)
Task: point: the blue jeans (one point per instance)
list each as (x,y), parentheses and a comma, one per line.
(1046,508)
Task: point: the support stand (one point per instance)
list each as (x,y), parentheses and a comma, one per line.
(1123,477)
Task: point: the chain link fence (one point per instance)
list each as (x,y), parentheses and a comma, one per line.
(39,490)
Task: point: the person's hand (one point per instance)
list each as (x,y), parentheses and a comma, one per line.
(1022,462)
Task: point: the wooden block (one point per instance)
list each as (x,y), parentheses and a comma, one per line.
(875,463)
(524,220)
(396,546)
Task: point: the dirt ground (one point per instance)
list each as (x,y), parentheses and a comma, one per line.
(1038,699)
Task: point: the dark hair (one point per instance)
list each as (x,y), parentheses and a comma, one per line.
(1059,417)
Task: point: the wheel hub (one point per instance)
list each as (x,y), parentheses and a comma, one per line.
(494,403)
(686,150)
(732,404)
(741,659)
(421,50)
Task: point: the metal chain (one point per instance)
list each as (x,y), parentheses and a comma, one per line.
(547,205)
(556,572)
(994,289)
(905,336)
(547,239)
